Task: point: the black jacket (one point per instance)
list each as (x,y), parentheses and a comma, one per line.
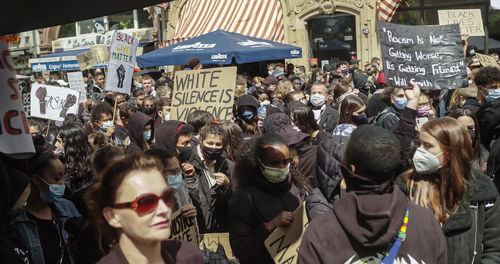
(488,117)
(211,203)
(329,119)
(136,126)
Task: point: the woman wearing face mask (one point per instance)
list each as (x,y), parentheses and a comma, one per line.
(132,208)
(141,133)
(425,107)
(264,199)
(351,115)
(464,201)
(303,118)
(247,117)
(467,119)
(41,223)
(391,114)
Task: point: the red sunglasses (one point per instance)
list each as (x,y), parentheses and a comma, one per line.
(146,203)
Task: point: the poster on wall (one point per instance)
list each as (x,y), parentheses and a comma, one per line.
(53,102)
(121,62)
(431,56)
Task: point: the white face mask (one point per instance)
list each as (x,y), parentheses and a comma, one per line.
(426,162)
(317,99)
(275,175)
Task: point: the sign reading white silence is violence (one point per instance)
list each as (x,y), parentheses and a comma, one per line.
(432,56)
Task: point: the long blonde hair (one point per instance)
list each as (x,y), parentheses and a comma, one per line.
(443,191)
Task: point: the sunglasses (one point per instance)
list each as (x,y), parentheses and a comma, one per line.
(146,203)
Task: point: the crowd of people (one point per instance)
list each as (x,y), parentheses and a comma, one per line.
(388,175)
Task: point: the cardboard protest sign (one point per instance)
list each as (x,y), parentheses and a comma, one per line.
(431,56)
(76,83)
(218,245)
(100,53)
(208,89)
(86,60)
(121,62)
(15,137)
(283,244)
(53,102)
(183,228)
(470,20)
(486,60)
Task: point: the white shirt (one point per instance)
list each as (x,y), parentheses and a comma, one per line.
(209,169)
(318,112)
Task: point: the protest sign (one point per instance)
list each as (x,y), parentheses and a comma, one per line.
(470,20)
(121,62)
(100,53)
(431,56)
(183,228)
(76,83)
(211,90)
(86,60)
(283,244)
(15,137)
(53,102)
(218,244)
(486,60)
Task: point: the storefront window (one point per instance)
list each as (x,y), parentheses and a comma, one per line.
(123,20)
(87,26)
(406,18)
(145,19)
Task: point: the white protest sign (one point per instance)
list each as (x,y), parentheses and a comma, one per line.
(183,228)
(15,137)
(470,20)
(121,62)
(53,102)
(283,244)
(76,83)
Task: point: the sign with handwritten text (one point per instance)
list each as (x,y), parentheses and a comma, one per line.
(486,60)
(183,228)
(15,137)
(431,56)
(121,62)
(211,90)
(53,102)
(283,244)
(470,20)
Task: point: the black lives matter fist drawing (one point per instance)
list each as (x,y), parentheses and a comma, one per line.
(41,93)
(120,72)
(70,101)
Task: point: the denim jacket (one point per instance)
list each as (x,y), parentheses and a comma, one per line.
(28,231)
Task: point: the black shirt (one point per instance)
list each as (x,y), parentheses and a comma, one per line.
(49,239)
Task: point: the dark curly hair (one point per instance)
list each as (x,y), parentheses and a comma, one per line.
(487,75)
(98,109)
(76,157)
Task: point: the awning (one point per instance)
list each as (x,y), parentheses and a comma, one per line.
(60,61)
(255,18)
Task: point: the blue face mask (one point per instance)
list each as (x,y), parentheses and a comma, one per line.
(472,52)
(247,115)
(400,103)
(106,125)
(493,95)
(147,135)
(175,181)
(56,191)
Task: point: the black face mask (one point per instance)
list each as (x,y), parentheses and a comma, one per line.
(211,153)
(184,153)
(149,110)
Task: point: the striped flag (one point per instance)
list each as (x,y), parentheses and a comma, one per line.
(387,8)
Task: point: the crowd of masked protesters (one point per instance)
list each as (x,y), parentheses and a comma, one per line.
(387,175)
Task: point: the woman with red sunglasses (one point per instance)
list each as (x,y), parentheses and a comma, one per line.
(131,208)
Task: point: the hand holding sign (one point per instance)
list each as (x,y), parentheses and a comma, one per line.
(283,219)
(41,93)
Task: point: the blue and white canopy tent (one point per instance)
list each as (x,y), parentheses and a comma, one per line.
(219,47)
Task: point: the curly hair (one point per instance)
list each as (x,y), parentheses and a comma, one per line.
(99,109)
(76,157)
(487,75)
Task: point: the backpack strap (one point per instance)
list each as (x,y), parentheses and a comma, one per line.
(398,240)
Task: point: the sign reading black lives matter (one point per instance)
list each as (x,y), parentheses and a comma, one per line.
(121,62)
(431,56)
(211,90)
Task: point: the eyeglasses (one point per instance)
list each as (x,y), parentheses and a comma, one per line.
(146,203)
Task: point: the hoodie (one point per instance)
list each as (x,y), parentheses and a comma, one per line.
(135,127)
(363,224)
(166,135)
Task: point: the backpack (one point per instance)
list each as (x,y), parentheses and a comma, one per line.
(378,120)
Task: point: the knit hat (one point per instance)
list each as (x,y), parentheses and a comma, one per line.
(247,99)
(270,80)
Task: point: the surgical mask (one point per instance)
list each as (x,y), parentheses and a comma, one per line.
(175,181)
(56,191)
(269,73)
(184,153)
(493,95)
(106,125)
(426,162)
(400,103)
(423,111)
(317,99)
(147,135)
(318,79)
(275,175)
(247,115)
(265,102)
(345,71)
(359,120)
(472,52)
(139,86)
(211,153)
